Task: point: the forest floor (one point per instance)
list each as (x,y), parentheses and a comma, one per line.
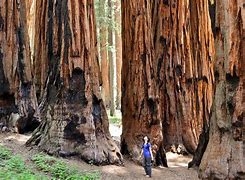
(177,163)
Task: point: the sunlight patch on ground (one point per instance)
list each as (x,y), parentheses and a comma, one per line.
(176,160)
(115,130)
(21,139)
(114,170)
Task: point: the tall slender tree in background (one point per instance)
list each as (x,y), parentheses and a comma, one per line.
(30,22)
(224,156)
(118,47)
(103,36)
(108,18)
(111,57)
(67,74)
(167,73)
(17,90)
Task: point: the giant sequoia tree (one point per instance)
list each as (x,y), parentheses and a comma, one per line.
(224,156)
(74,120)
(17,91)
(167,75)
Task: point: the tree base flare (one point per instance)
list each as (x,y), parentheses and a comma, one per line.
(75,135)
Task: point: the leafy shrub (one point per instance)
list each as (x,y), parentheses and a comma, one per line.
(4,153)
(13,167)
(58,169)
(115,120)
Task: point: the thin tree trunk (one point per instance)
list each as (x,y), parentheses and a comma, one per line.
(224,156)
(18,102)
(111,59)
(105,91)
(167,74)
(118,45)
(31,24)
(74,116)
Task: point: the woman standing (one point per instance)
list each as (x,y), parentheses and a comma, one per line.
(148,157)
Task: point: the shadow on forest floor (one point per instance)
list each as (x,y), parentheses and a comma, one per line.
(130,170)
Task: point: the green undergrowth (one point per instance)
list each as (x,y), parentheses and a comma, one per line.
(60,170)
(42,167)
(115,120)
(13,167)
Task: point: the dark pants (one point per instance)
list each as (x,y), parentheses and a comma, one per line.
(147,165)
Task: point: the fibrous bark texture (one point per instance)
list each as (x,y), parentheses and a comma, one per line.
(67,71)
(184,55)
(224,155)
(167,73)
(18,104)
(139,107)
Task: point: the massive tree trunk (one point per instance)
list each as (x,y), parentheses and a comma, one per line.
(118,45)
(184,53)
(105,88)
(167,73)
(17,93)
(139,100)
(74,116)
(204,136)
(224,155)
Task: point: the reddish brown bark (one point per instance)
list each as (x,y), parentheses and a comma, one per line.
(185,54)
(167,75)
(74,116)
(140,106)
(224,156)
(17,92)
(118,44)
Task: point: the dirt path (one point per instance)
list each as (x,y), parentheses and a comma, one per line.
(130,170)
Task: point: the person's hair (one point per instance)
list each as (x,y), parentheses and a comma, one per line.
(147,138)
